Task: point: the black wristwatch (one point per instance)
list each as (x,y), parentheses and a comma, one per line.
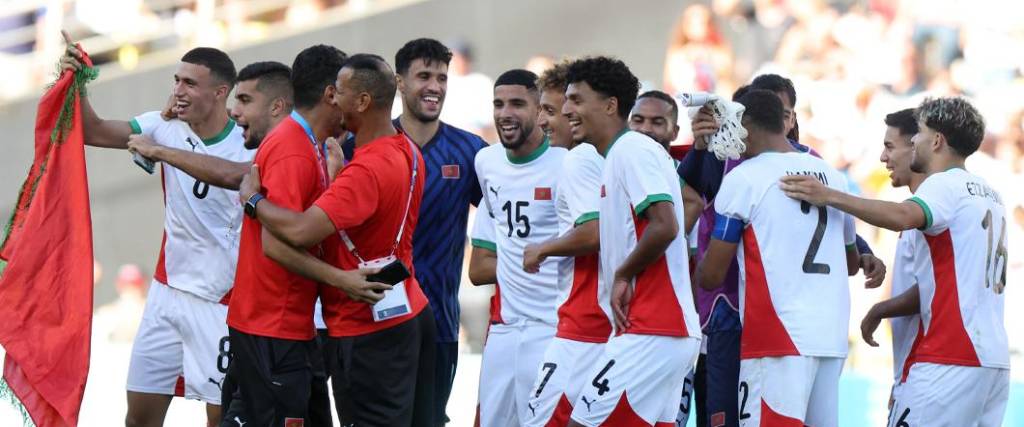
(250,205)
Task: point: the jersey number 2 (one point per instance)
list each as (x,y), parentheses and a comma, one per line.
(811,267)
(520,218)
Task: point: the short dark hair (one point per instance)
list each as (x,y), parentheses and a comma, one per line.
(315,68)
(429,50)
(373,75)
(776,83)
(518,77)
(216,60)
(608,76)
(956,119)
(271,77)
(764,109)
(740,91)
(554,78)
(657,94)
(905,120)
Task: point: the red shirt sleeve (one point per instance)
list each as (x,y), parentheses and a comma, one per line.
(352,198)
(279,178)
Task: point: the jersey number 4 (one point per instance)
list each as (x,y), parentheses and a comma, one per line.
(521,225)
(811,267)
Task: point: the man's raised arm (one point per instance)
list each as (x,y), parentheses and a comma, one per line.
(98,132)
(209,169)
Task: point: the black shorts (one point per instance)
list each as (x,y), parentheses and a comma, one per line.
(386,378)
(274,377)
(319,399)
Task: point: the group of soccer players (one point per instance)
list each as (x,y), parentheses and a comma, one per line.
(583,223)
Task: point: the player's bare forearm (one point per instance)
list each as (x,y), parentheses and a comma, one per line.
(662,229)
(209,169)
(712,269)
(296,260)
(893,216)
(483,266)
(906,304)
(298,229)
(98,132)
(880,213)
(584,239)
(693,204)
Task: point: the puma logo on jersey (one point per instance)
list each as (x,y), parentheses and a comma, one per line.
(191,142)
(217,383)
(533,411)
(493,190)
(588,402)
(240,422)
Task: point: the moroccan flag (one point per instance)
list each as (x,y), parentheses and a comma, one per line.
(46,286)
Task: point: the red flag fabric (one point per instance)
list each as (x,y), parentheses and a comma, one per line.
(46,288)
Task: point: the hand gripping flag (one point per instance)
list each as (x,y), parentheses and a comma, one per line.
(46,285)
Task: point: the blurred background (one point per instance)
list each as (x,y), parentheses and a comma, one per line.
(852,62)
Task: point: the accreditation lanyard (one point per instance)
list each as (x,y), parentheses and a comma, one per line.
(318,148)
(408,203)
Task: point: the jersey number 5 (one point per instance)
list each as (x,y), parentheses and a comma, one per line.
(811,267)
(520,218)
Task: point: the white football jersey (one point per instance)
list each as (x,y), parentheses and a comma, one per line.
(638,172)
(199,252)
(581,315)
(794,295)
(519,199)
(904,328)
(961,272)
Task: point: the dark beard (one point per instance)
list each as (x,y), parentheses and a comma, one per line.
(917,166)
(514,145)
(419,115)
(253,141)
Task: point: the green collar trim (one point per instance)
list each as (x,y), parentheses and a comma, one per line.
(532,156)
(614,140)
(220,136)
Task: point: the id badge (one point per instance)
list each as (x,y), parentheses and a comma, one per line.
(396,301)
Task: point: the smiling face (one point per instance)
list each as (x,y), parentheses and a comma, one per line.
(551,120)
(653,117)
(897,154)
(584,109)
(196,92)
(515,114)
(252,112)
(423,88)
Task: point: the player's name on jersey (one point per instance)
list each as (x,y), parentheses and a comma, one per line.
(978,189)
(819,175)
